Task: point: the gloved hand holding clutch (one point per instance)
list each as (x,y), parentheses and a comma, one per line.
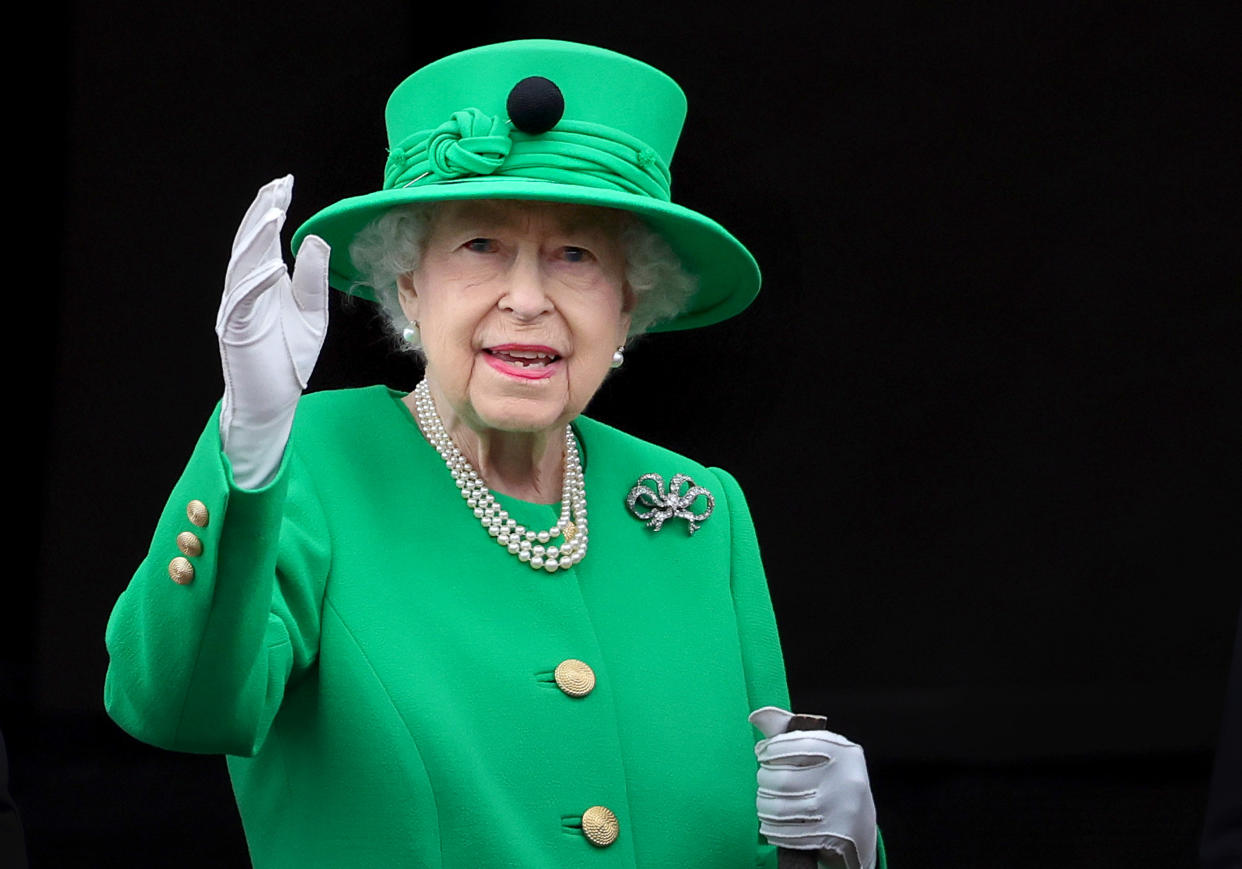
(814,792)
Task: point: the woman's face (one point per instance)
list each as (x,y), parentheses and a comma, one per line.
(521,306)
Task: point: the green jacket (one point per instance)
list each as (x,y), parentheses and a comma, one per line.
(380,672)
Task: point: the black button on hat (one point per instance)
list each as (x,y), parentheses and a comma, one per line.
(535,105)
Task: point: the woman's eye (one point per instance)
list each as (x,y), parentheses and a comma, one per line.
(575,254)
(480,245)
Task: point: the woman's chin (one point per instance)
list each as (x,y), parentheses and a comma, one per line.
(523,414)
(504,402)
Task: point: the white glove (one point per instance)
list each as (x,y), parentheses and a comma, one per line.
(814,792)
(271,329)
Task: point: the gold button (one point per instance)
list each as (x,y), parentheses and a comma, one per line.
(574,677)
(181,571)
(600,826)
(197,511)
(189,544)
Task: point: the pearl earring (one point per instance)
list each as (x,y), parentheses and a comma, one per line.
(618,357)
(411,335)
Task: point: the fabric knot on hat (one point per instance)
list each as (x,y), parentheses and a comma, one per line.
(483,147)
(470,143)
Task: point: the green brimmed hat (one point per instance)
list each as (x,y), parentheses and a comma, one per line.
(549,121)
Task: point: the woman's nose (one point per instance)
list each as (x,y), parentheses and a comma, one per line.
(525,295)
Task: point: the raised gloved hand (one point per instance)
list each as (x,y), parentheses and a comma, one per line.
(814,792)
(271,328)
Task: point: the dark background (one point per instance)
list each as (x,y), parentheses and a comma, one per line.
(985,408)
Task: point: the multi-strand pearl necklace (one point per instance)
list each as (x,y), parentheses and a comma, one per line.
(536,548)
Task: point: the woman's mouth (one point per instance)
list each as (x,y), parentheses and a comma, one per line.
(522,360)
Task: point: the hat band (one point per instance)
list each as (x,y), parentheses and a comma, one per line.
(573,152)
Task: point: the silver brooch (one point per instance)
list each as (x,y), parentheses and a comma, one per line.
(648,501)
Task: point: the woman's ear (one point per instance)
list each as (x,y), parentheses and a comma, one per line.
(628,300)
(623,328)
(407,295)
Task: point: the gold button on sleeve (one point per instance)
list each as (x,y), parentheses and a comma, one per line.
(600,826)
(181,571)
(196,510)
(189,544)
(574,677)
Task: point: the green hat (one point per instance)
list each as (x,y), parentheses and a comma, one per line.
(488,123)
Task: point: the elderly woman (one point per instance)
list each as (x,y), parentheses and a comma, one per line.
(394,613)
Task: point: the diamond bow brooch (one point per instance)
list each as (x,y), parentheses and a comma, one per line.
(649,502)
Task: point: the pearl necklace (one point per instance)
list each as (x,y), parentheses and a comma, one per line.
(529,546)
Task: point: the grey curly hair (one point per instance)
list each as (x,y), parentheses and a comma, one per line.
(392,244)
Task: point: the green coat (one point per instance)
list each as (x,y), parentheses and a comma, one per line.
(380,672)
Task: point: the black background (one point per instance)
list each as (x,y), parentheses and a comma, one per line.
(985,409)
